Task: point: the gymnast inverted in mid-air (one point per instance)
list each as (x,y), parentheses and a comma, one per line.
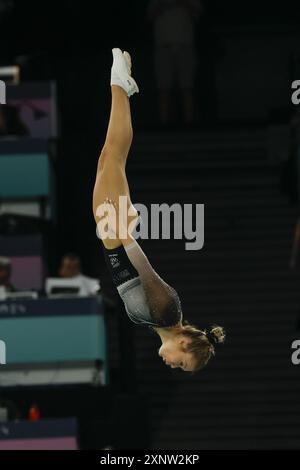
(148,299)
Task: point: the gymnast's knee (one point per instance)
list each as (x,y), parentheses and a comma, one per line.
(114,152)
(102,158)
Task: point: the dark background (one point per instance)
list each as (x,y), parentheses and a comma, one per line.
(71,41)
(248,397)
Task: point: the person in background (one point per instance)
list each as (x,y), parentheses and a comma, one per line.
(175,53)
(70,268)
(5,274)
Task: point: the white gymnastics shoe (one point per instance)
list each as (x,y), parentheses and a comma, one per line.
(121,72)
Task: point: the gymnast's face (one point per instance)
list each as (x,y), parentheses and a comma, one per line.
(172,352)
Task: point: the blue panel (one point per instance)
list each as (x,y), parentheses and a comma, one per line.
(21,245)
(51,307)
(25,175)
(51,339)
(39,429)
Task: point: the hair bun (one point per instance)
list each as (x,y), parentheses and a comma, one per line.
(216,334)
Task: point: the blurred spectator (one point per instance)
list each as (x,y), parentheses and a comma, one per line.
(5,273)
(175,53)
(70,268)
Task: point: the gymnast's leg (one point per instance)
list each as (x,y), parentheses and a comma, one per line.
(119,133)
(111,181)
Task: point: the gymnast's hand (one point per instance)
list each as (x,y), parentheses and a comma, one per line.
(117,222)
(114,221)
(107,224)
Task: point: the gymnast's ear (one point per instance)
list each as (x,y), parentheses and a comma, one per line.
(183,340)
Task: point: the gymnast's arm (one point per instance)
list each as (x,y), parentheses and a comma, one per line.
(163,300)
(161,297)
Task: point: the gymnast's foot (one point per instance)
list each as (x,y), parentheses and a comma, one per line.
(121,72)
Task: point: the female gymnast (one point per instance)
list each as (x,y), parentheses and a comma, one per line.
(148,299)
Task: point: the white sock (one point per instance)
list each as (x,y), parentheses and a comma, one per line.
(114,80)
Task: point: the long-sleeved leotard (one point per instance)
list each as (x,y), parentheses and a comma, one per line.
(148,299)
(162,299)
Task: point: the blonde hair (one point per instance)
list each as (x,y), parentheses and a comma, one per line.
(202,344)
